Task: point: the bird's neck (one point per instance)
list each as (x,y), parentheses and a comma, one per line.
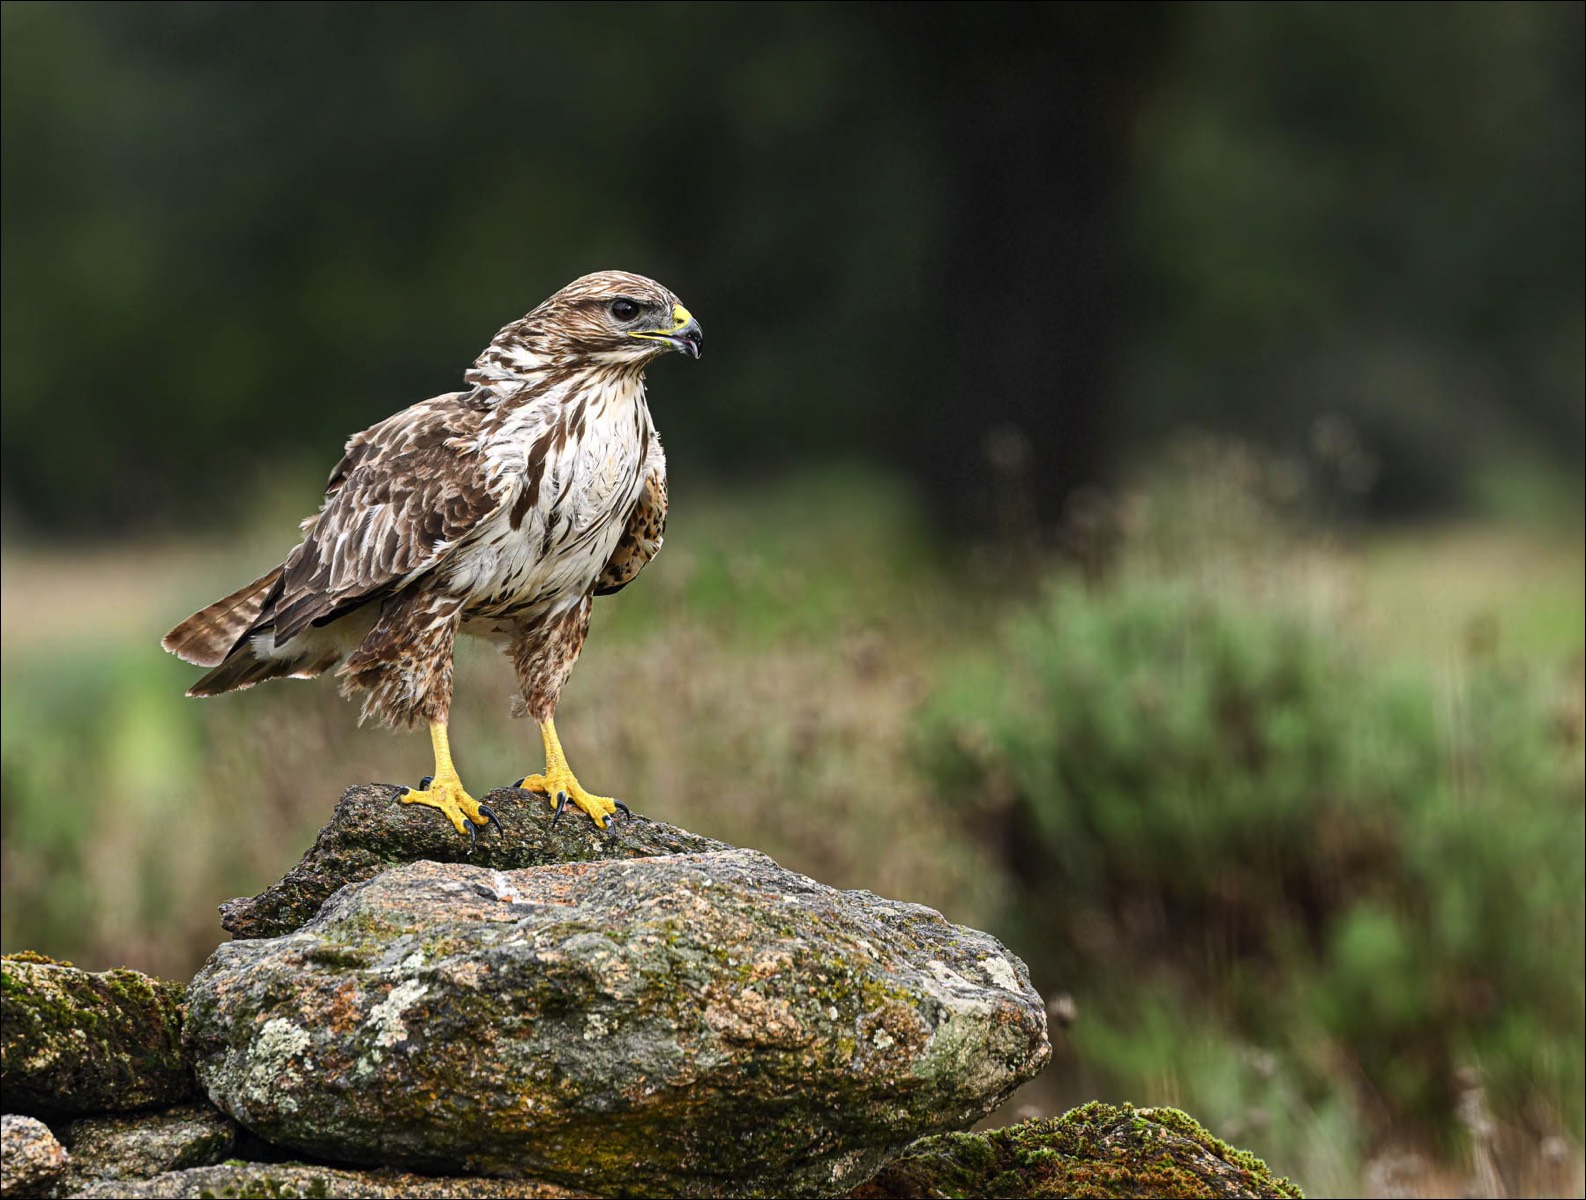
(513,363)
(514,368)
(603,388)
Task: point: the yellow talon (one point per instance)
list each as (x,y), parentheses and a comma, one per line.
(448,796)
(445,790)
(559,780)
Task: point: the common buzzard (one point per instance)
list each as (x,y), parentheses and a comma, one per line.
(501,510)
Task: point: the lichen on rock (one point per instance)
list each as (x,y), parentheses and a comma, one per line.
(370,832)
(1097,1151)
(74,1041)
(692,1024)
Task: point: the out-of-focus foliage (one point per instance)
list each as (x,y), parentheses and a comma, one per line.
(1230,820)
(234,233)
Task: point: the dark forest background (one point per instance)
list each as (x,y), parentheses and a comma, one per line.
(235,232)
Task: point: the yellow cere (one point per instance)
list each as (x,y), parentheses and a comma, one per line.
(680,315)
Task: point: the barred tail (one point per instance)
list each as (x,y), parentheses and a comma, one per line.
(206,637)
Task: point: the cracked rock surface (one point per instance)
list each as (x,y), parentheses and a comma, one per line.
(692,1024)
(287,1181)
(144,1144)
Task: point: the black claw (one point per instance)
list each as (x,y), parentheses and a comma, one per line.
(473,839)
(623,809)
(521,782)
(561,807)
(425,782)
(492,818)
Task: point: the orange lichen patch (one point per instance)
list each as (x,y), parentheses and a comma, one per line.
(346,1011)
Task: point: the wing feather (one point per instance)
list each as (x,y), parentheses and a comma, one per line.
(407,491)
(645,530)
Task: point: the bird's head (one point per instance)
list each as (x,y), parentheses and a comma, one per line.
(611,317)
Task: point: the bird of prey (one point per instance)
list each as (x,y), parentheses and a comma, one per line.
(501,510)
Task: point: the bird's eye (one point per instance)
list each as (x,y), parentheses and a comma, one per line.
(624,309)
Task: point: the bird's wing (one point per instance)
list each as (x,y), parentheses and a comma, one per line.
(646,527)
(407,491)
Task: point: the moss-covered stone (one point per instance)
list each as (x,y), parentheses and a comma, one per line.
(288,1181)
(32,1161)
(141,1145)
(1096,1150)
(74,1041)
(693,1025)
(370,832)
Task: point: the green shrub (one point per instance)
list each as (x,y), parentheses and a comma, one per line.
(1371,872)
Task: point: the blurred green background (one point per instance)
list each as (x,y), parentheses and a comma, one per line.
(1131,499)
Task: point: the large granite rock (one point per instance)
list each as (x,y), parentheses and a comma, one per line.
(75,1041)
(1097,1150)
(696,1024)
(370,832)
(32,1161)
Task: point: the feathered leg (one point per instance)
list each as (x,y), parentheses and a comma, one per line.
(543,653)
(405,666)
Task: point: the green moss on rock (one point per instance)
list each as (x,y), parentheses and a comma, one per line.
(75,1041)
(1096,1150)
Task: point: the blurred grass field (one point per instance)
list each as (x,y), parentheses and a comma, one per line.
(763,683)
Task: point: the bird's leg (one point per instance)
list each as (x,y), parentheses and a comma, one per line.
(444,790)
(561,788)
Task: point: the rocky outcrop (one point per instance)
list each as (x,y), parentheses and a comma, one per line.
(74,1041)
(369,832)
(696,1024)
(567,1013)
(1098,1150)
(32,1161)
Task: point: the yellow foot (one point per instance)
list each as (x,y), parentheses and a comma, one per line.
(562,789)
(446,793)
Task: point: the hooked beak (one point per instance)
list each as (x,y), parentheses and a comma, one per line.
(684,336)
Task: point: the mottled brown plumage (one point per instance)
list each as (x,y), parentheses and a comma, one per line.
(499,510)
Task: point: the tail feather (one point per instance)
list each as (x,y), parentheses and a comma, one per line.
(243,669)
(206,637)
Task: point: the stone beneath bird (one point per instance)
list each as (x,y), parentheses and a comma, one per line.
(501,510)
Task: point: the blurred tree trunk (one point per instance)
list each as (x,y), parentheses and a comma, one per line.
(1018,378)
